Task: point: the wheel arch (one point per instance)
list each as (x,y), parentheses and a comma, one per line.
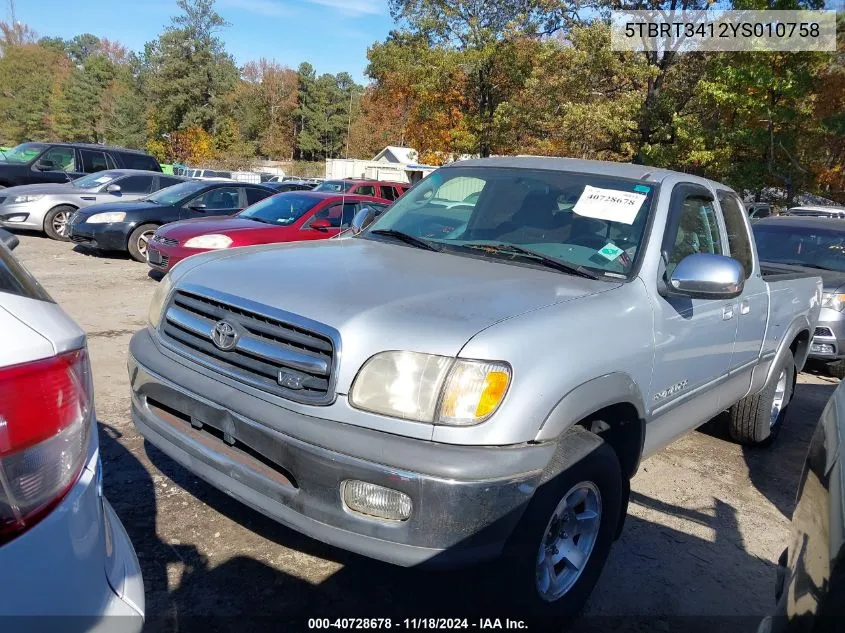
(53,208)
(796,340)
(611,408)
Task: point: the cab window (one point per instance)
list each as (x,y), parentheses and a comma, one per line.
(696,230)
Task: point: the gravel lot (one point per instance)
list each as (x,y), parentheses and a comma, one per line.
(707,522)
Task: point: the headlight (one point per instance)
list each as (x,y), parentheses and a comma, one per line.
(429,388)
(833,301)
(209,241)
(21,199)
(104,218)
(159,299)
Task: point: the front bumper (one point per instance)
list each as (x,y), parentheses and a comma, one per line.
(829,336)
(169,256)
(107,237)
(78,561)
(289,466)
(24,216)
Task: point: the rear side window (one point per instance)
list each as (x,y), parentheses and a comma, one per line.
(135,184)
(254,195)
(164,181)
(366,190)
(93,161)
(388,193)
(140,161)
(739,243)
(14,279)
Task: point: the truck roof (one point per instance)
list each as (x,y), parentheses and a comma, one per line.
(608,168)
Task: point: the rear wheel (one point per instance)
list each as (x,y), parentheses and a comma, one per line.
(139,239)
(562,542)
(757,419)
(57,222)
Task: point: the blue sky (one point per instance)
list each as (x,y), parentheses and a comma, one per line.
(333,35)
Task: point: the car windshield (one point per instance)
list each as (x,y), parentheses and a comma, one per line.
(585,221)
(801,245)
(92,181)
(282,209)
(335,186)
(23,153)
(177,193)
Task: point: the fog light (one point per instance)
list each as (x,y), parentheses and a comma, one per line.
(821,348)
(375,501)
(20,217)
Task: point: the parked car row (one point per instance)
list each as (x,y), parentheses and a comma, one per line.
(463,420)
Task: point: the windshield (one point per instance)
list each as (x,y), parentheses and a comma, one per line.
(175,194)
(92,181)
(335,186)
(24,152)
(801,245)
(583,220)
(282,209)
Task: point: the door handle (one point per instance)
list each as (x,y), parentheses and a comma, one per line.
(728,312)
(744,307)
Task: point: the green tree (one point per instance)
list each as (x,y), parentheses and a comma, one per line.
(188,71)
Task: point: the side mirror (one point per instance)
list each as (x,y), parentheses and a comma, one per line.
(113,189)
(45,165)
(10,240)
(707,276)
(199,207)
(321,225)
(362,219)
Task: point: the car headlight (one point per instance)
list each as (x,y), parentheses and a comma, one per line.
(430,388)
(104,218)
(22,199)
(833,301)
(212,241)
(159,300)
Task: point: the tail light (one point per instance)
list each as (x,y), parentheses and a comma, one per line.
(44,429)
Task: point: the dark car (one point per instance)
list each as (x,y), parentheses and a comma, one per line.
(811,575)
(759,210)
(291,185)
(129,226)
(35,163)
(818,244)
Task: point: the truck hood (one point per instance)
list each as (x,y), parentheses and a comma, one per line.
(381,296)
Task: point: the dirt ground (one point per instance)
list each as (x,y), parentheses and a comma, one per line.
(707,521)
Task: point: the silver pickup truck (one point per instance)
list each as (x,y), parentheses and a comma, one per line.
(480,370)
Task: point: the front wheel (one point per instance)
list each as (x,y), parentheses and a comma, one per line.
(562,542)
(57,222)
(139,239)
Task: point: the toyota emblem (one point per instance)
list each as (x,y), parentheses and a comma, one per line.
(224,336)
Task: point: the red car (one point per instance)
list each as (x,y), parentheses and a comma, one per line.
(378,188)
(286,217)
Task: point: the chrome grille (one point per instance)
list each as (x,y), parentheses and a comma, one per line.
(271,353)
(167,241)
(823,331)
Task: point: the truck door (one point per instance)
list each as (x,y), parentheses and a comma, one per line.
(752,306)
(694,338)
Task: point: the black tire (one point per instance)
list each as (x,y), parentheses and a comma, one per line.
(137,246)
(751,418)
(836,369)
(601,469)
(57,222)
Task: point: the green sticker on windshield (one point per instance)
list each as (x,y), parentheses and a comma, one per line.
(642,189)
(610,251)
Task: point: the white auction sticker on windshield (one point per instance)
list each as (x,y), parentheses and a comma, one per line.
(609,204)
(103,179)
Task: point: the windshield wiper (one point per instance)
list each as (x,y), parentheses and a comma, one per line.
(550,262)
(408,239)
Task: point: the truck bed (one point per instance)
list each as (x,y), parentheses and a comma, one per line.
(784,272)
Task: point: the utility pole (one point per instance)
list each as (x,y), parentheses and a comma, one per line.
(349,122)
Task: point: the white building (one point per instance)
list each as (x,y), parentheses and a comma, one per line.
(396,164)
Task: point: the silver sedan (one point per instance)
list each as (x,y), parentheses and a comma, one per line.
(48,207)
